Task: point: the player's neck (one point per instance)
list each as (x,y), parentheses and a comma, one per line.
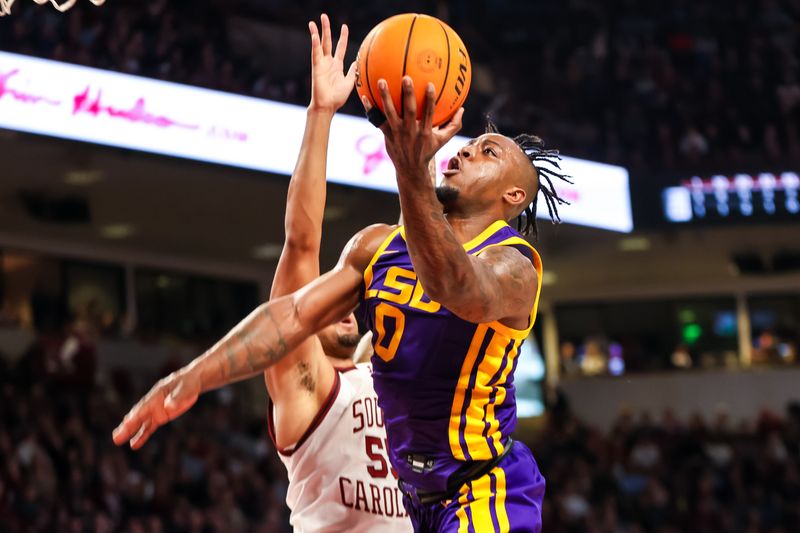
(467,227)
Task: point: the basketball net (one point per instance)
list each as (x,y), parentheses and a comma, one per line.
(5,5)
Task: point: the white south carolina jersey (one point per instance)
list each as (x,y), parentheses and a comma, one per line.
(340,478)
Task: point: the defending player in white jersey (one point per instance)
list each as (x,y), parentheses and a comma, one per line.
(323,415)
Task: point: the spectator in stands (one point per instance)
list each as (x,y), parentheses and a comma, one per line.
(681,357)
(570,366)
(594,360)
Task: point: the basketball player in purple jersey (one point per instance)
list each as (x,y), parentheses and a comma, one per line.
(444,355)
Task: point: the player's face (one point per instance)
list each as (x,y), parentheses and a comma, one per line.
(341,339)
(476,175)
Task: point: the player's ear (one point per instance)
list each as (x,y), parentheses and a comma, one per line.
(516,196)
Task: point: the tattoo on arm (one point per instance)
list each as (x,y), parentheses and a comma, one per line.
(445,231)
(278,351)
(253,355)
(514,278)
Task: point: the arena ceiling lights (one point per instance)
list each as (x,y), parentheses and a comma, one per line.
(96,106)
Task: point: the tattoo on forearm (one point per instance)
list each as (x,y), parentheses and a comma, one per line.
(278,351)
(258,349)
(251,360)
(445,232)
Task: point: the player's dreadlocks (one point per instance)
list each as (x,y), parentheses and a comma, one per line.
(534,148)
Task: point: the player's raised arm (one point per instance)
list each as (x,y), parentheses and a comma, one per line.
(270,332)
(305,202)
(495,285)
(296,403)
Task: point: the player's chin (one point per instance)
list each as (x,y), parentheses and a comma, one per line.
(349,340)
(447,192)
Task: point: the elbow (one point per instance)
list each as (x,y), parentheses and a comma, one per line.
(301,242)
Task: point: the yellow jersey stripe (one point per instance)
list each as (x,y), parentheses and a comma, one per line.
(489,407)
(500,500)
(477,444)
(461,389)
(500,398)
(477,240)
(461,513)
(480,504)
(379,252)
(485,234)
(511,240)
(537,265)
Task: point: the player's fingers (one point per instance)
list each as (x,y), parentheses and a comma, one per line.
(375,115)
(366,103)
(388,105)
(351,75)
(147,429)
(449,130)
(128,427)
(409,101)
(341,46)
(179,401)
(430,107)
(315,45)
(174,399)
(326,35)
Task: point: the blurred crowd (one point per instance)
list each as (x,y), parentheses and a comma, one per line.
(214,470)
(649,84)
(211,471)
(669,476)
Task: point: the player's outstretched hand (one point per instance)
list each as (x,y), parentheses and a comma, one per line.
(330,86)
(412,143)
(167,400)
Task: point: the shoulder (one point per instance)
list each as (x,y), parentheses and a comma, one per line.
(365,243)
(509,262)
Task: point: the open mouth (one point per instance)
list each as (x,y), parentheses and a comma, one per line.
(453,166)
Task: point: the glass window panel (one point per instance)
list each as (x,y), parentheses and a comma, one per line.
(775,328)
(620,337)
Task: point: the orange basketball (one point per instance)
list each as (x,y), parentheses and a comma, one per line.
(422,47)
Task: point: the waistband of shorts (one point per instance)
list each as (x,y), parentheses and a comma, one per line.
(473,471)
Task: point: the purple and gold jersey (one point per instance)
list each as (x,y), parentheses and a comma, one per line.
(445,385)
